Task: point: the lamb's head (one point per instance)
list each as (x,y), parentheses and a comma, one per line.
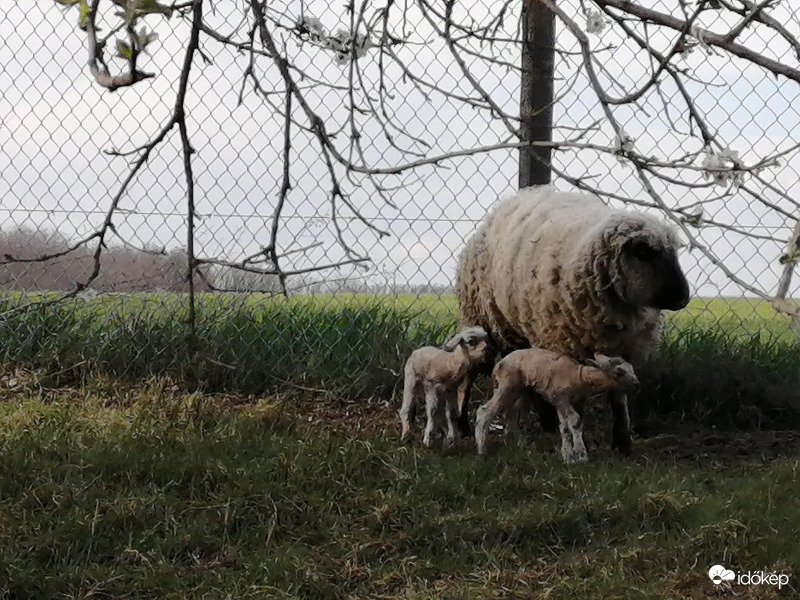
(620,371)
(644,269)
(476,343)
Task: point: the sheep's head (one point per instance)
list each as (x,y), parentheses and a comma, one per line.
(645,270)
(620,371)
(476,342)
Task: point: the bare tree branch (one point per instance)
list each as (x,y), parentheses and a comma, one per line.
(712,39)
(375,53)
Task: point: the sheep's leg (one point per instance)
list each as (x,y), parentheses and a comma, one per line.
(500,402)
(621,437)
(432,408)
(464,392)
(408,409)
(573,449)
(451,415)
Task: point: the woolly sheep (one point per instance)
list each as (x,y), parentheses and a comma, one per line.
(563,382)
(562,271)
(438,373)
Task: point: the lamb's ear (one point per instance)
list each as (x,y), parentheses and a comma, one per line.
(452,343)
(601,359)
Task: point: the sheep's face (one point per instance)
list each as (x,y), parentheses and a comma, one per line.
(648,274)
(620,371)
(479,350)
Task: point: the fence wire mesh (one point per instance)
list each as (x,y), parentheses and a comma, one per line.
(431,90)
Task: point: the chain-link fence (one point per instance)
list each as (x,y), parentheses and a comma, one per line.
(433,89)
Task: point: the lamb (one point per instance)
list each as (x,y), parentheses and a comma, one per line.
(563,382)
(562,271)
(438,373)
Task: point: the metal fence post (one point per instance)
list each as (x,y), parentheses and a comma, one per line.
(536,91)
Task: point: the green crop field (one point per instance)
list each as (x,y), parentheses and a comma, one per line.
(260,458)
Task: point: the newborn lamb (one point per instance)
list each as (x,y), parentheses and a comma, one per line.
(438,373)
(561,381)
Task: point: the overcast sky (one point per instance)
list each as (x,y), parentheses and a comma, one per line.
(56,123)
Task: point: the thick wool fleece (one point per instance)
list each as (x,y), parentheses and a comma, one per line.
(539,272)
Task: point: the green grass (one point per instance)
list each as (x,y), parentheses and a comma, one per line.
(351,346)
(739,317)
(122,492)
(294,484)
(724,362)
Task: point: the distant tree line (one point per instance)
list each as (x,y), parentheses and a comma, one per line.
(125,269)
(122,269)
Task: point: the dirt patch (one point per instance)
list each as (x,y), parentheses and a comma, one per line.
(703,445)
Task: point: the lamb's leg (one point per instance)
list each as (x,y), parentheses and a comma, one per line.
(432,408)
(464,391)
(408,409)
(501,401)
(512,418)
(573,449)
(451,415)
(566,440)
(621,437)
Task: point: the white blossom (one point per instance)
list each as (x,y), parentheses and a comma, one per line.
(699,34)
(341,43)
(694,218)
(721,167)
(623,144)
(687,47)
(595,23)
(313,27)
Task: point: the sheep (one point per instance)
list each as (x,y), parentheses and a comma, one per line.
(562,271)
(563,382)
(438,372)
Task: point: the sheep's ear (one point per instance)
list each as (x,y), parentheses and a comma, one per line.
(619,235)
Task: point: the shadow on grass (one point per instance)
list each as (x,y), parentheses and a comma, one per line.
(137,493)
